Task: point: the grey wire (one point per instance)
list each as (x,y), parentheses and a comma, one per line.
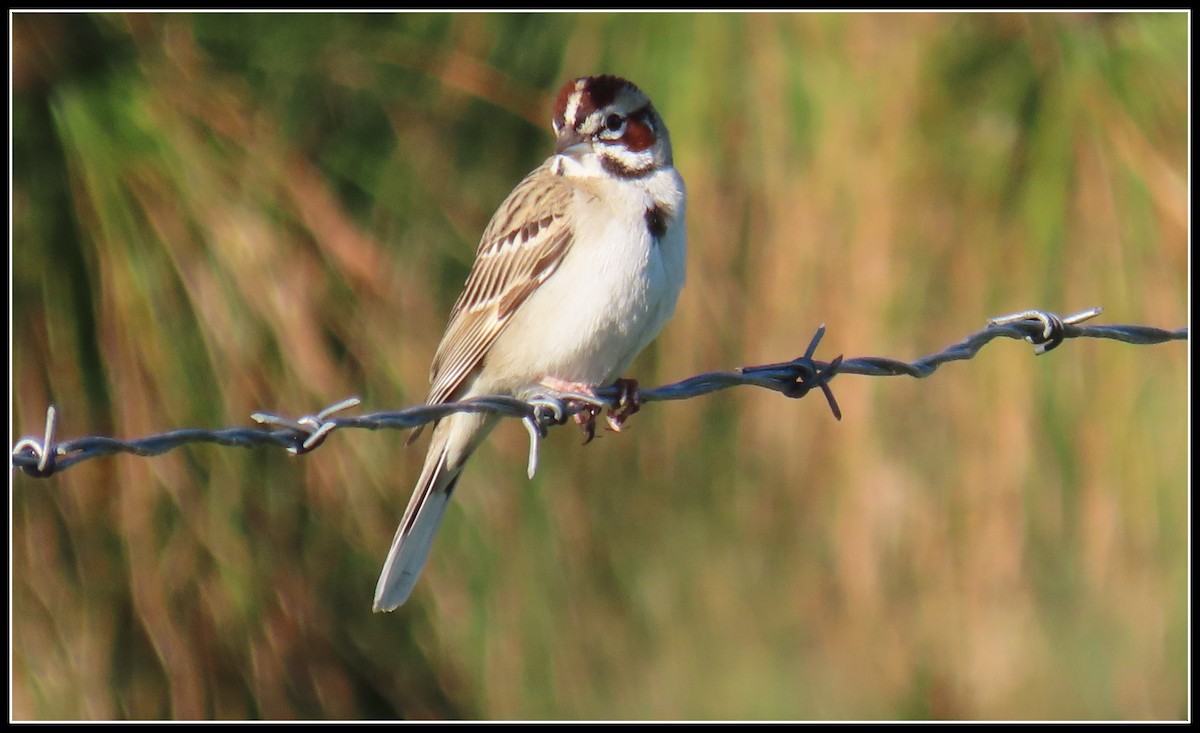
(44,457)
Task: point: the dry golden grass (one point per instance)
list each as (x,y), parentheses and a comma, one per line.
(214,215)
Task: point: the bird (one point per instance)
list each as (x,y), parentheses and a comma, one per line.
(577,272)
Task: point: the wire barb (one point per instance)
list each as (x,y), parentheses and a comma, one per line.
(800,376)
(539,410)
(44,452)
(1053,327)
(309,431)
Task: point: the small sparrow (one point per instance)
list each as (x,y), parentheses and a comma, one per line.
(577,272)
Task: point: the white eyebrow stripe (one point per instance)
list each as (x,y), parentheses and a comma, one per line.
(573,104)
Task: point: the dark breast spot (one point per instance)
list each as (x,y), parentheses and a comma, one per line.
(657,218)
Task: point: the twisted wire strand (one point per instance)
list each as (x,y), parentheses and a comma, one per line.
(43,457)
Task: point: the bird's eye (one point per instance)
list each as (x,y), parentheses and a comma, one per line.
(614,122)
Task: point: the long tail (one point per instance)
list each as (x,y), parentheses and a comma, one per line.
(453,441)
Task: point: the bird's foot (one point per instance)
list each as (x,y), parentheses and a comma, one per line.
(587,405)
(582,401)
(628,403)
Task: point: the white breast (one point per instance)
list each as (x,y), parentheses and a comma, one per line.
(614,291)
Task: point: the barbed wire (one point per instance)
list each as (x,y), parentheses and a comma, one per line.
(44,457)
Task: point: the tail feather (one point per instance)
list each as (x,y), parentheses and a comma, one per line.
(414,537)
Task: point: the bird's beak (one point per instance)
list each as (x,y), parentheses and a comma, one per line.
(572,144)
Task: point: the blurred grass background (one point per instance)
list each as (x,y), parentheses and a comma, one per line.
(216,214)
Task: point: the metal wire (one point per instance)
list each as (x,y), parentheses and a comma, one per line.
(43,457)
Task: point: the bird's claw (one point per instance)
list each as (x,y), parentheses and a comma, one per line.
(585,418)
(628,403)
(586,406)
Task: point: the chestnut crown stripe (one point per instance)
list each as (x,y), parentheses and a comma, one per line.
(583,96)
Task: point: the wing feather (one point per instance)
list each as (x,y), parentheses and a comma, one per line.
(521,247)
